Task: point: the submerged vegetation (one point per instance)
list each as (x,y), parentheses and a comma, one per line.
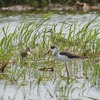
(34,69)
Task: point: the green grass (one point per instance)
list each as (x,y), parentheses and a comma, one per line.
(83,42)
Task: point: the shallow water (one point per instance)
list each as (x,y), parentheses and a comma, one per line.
(30,90)
(81,19)
(46,91)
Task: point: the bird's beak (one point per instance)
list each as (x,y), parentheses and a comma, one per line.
(29,52)
(46,53)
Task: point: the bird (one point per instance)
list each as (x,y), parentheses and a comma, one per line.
(24,52)
(63,56)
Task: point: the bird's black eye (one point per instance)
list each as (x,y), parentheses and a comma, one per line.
(52,47)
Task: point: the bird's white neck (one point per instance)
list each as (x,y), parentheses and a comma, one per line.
(55,52)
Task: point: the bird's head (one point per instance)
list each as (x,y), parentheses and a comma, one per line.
(28,51)
(53,49)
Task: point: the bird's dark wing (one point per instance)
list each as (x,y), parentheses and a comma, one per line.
(23,54)
(69,55)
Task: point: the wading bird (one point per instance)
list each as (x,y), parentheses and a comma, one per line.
(24,52)
(63,56)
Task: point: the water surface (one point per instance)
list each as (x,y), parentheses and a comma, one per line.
(12,92)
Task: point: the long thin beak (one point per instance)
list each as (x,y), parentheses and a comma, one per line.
(29,52)
(46,53)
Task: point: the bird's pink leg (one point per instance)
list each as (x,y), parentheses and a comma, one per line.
(67,72)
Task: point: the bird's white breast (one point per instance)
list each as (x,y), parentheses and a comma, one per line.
(62,58)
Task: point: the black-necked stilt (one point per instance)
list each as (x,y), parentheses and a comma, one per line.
(63,56)
(24,52)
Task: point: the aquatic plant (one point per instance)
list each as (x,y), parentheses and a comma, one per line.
(84,42)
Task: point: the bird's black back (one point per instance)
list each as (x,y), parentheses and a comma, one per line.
(69,55)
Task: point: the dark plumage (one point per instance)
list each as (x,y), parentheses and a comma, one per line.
(52,47)
(24,52)
(69,55)
(64,56)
